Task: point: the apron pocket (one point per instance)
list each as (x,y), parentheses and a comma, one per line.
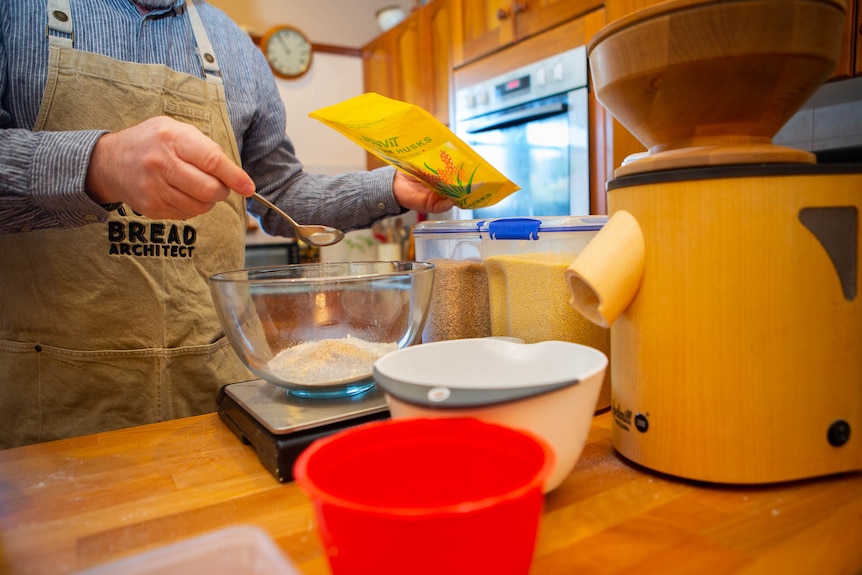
(53,393)
(192,377)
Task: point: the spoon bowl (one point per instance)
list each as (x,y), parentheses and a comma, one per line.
(313,234)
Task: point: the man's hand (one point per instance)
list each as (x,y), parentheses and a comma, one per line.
(413,194)
(163,169)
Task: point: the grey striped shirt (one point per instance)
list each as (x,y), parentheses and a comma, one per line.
(42,174)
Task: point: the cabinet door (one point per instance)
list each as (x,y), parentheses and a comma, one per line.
(534,16)
(408,77)
(846,67)
(486,25)
(619,8)
(436,39)
(377,60)
(857,38)
(377,65)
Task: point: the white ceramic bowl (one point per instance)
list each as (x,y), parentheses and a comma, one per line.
(548,388)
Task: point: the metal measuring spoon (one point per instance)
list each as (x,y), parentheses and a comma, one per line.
(312,234)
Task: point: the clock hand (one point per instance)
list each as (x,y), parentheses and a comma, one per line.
(284,44)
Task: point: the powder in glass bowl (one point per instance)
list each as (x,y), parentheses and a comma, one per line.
(328,361)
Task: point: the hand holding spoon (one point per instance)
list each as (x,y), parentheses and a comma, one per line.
(312,234)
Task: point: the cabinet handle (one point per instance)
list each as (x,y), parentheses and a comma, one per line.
(519,7)
(502,14)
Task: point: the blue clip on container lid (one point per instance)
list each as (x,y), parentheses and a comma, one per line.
(514,229)
(530,228)
(471,239)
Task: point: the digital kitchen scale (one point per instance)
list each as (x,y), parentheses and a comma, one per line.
(280,425)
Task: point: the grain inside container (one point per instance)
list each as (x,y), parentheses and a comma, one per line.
(459,300)
(506,277)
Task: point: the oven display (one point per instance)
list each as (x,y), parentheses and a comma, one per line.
(505,88)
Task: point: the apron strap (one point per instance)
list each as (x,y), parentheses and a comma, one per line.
(59,22)
(209,64)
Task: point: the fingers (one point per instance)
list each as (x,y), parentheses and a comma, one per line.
(175,204)
(413,194)
(163,169)
(440,204)
(202,153)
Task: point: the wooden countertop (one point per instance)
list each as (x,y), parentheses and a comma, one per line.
(70,504)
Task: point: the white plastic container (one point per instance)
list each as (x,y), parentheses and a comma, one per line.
(242,549)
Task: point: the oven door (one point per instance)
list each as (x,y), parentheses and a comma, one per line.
(542,146)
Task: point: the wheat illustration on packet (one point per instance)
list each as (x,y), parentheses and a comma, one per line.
(449,178)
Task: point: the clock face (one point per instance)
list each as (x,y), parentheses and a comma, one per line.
(288,51)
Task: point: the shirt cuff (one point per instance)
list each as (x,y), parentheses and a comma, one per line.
(380,196)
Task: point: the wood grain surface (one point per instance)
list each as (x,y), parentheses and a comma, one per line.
(703,83)
(70,504)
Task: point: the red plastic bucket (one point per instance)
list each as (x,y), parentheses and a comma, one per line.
(441,496)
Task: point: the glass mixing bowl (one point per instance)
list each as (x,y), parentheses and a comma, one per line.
(317,329)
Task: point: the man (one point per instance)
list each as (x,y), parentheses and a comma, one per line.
(124,126)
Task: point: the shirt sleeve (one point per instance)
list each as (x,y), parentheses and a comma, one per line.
(42,177)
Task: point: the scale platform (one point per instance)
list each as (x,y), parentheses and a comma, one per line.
(279,426)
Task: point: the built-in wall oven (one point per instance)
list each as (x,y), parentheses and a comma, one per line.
(531,123)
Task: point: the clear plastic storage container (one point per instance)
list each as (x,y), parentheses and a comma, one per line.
(245,549)
(506,277)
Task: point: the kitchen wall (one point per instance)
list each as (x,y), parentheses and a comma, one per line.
(831,119)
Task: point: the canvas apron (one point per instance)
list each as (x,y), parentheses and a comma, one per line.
(111,324)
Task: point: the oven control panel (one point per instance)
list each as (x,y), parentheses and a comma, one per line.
(554,75)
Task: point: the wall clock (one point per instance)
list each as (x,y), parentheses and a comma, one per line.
(287,50)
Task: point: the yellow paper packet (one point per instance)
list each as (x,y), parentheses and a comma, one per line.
(411,139)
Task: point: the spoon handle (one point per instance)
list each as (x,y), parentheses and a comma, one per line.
(260,199)
(313,235)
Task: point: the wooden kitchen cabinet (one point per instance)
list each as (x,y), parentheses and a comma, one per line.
(485,26)
(848,62)
(377,61)
(436,41)
(616,9)
(392,64)
(408,78)
(378,58)
(540,15)
(412,62)
(857,39)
